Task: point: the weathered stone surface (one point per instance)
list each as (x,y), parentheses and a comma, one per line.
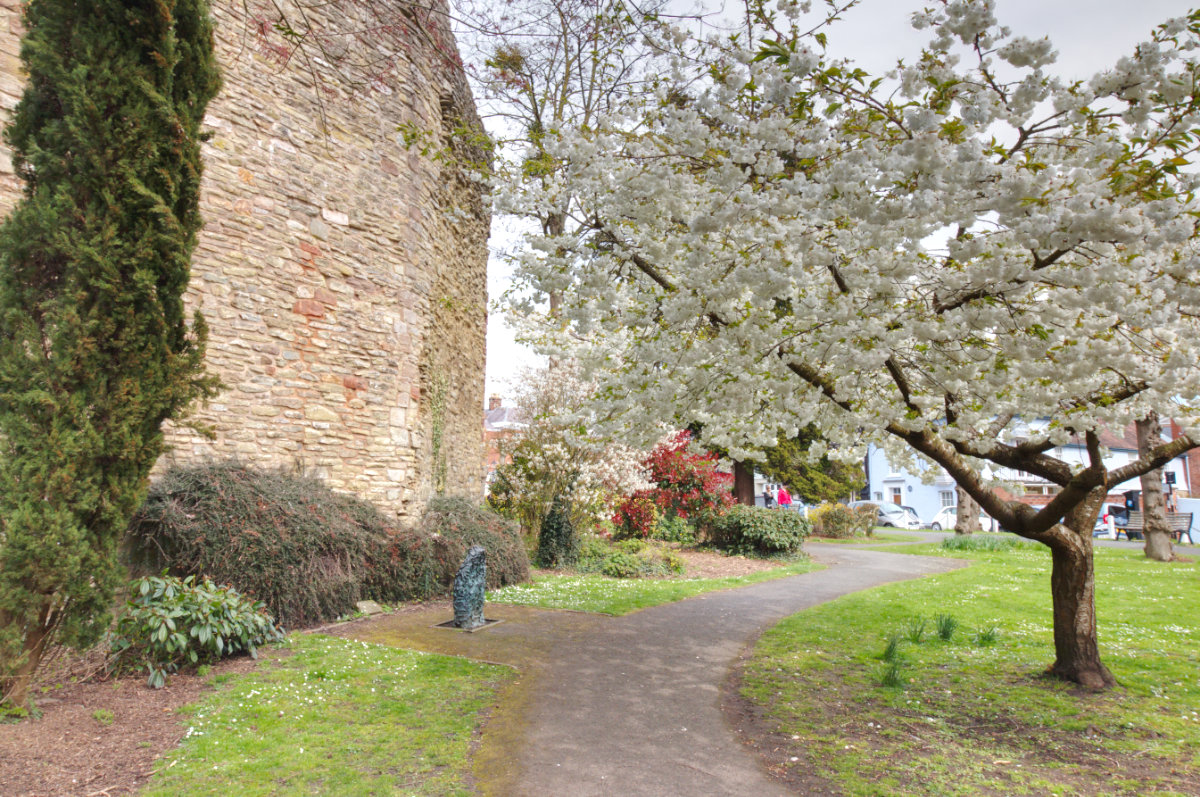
(343,276)
(369,607)
(469,587)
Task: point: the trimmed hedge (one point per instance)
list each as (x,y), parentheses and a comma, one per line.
(756,530)
(307,552)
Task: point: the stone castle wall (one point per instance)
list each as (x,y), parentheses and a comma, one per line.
(342,273)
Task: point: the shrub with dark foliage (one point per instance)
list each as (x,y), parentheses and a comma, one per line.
(558,542)
(455,524)
(305,551)
(755,530)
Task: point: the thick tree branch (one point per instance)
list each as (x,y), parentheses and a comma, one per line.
(606,236)
(1009,456)
(1158,457)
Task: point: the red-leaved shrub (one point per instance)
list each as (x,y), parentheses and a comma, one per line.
(685,485)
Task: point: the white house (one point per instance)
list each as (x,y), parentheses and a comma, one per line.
(928,493)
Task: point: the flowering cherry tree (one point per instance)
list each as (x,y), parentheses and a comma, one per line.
(969,260)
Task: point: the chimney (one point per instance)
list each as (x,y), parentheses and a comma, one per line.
(493,403)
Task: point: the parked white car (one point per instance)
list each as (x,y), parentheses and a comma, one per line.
(947,515)
(894,515)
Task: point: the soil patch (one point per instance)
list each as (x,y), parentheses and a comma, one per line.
(706,564)
(101,737)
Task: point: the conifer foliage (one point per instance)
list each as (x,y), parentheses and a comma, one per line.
(95,348)
(558,542)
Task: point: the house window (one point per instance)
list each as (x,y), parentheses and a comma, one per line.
(897,495)
(947,497)
(878,496)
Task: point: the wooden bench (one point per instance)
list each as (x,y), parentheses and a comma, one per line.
(1180,523)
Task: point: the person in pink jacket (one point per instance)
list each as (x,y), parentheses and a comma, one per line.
(783,498)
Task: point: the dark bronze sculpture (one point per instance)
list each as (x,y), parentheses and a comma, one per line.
(468,589)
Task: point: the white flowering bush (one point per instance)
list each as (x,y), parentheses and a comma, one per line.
(969,261)
(558,455)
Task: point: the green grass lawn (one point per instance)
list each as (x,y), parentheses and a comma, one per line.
(974,716)
(335,717)
(617,596)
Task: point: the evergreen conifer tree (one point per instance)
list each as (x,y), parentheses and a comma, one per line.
(95,348)
(558,542)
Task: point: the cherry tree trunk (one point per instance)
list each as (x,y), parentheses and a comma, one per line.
(966,517)
(743,484)
(1157,531)
(1073,589)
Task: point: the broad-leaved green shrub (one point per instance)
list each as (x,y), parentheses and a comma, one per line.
(672,528)
(592,549)
(627,559)
(622,565)
(751,530)
(169,622)
(634,545)
(647,562)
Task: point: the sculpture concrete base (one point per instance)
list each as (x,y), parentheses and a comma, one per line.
(449,625)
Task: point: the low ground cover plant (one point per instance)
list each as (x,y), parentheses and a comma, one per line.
(630,558)
(305,551)
(334,716)
(171,622)
(971,714)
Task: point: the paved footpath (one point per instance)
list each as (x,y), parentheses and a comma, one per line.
(631,705)
(637,710)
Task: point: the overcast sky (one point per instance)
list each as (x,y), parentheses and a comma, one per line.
(1088,35)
